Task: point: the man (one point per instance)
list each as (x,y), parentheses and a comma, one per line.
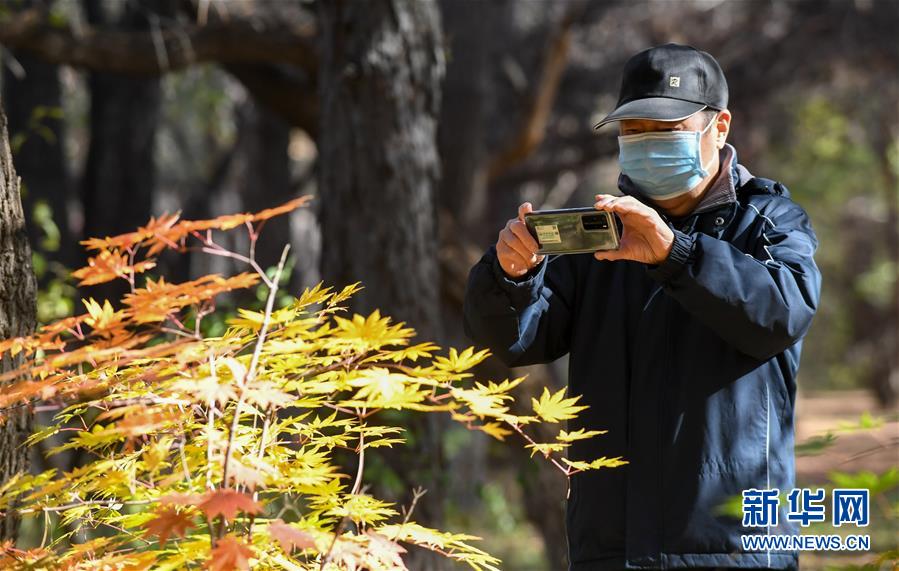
(684,343)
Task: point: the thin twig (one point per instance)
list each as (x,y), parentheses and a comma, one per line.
(251,370)
(359,468)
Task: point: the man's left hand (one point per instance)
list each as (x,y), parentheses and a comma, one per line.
(646,238)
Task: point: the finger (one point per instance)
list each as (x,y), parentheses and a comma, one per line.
(521,230)
(610,255)
(628,205)
(512,240)
(603,200)
(524,209)
(512,258)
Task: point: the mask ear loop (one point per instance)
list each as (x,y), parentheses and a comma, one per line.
(701,133)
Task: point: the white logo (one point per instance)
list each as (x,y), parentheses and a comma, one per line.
(674,81)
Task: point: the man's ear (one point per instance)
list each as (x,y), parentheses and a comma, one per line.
(722,128)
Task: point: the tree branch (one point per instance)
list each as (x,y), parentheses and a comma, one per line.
(282,90)
(233,41)
(533,128)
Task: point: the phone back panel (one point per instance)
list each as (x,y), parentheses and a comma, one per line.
(572,230)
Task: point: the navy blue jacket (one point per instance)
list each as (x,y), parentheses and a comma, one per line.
(691,367)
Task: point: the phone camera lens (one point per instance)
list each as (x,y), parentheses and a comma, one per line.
(595,222)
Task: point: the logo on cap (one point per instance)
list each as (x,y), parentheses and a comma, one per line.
(674,81)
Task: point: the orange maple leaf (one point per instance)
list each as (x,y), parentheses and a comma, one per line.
(107,266)
(229,554)
(289,537)
(159,299)
(144,422)
(283,209)
(167,237)
(179,499)
(226,502)
(129,239)
(168,521)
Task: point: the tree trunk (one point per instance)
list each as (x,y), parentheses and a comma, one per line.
(379,80)
(18,291)
(119,178)
(471,34)
(36,131)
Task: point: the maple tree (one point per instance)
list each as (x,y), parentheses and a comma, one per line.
(217,451)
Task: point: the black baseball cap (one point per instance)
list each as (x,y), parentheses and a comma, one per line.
(669,83)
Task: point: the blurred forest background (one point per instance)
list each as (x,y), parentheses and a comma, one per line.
(419,127)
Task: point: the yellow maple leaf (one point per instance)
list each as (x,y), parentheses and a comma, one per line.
(555,407)
(595,464)
(546,447)
(458,362)
(579,434)
(480,403)
(495,430)
(364,508)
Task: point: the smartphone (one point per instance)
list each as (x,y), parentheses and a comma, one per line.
(573,230)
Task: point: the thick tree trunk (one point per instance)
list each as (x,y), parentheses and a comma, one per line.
(18,290)
(380,87)
(119,178)
(883,326)
(380,74)
(471,33)
(36,128)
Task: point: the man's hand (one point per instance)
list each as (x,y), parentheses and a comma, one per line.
(516,249)
(646,238)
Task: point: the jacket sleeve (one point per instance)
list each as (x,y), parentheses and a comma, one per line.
(761,304)
(523,321)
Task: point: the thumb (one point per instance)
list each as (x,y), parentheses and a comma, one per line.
(524,209)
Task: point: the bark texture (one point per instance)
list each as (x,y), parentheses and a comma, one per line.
(379,85)
(32,98)
(119,177)
(380,90)
(18,290)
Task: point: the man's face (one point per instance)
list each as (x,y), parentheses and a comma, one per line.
(711,141)
(696,122)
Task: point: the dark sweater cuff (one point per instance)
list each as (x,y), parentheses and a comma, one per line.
(681,253)
(522,290)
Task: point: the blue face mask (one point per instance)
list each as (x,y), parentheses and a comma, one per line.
(663,164)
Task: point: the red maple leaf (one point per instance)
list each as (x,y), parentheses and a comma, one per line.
(229,554)
(226,502)
(168,521)
(289,537)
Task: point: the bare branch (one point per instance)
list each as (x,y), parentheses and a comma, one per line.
(233,41)
(533,128)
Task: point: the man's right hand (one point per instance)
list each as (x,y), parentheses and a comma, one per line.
(516,249)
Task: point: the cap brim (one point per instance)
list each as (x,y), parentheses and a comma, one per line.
(653,108)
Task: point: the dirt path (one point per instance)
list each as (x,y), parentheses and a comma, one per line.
(852,452)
